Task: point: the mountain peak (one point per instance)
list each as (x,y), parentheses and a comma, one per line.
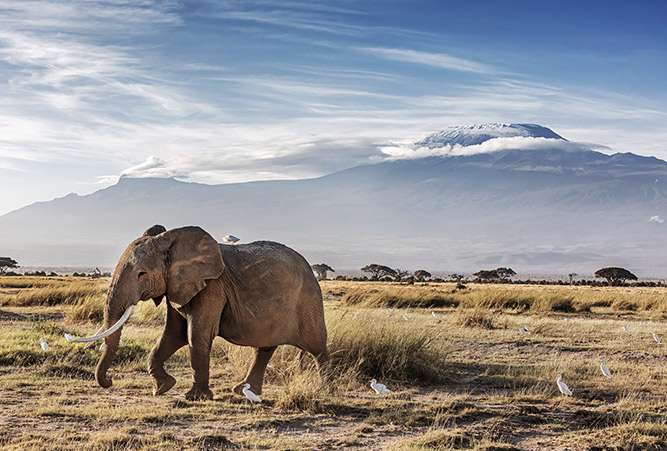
(471,135)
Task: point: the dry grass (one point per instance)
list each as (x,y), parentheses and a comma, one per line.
(533,298)
(464,379)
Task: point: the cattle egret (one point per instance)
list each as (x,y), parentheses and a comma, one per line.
(405,317)
(656,337)
(120,342)
(44,345)
(434,315)
(229,239)
(625,328)
(604,369)
(522,331)
(564,389)
(567,320)
(527,328)
(250,395)
(380,389)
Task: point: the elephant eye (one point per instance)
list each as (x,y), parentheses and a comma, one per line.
(142,273)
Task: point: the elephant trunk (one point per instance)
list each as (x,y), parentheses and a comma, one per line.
(111,317)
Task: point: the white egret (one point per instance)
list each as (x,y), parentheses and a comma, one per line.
(405,317)
(250,395)
(120,342)
(605,370)
(380,389)
(229,239)
(527,328)
(523,332)
(567,320)
(434,315)
(656,337)
(625,328)
(44,345)
(564,389)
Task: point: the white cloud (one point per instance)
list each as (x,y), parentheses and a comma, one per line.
(440,60)
(657,219)
(411,151)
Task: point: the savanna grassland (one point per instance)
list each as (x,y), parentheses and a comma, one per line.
(462,375)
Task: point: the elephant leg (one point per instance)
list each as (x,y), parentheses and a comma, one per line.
(173,338)
(201,333)
(255,376)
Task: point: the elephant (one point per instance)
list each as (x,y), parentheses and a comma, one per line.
(262,294)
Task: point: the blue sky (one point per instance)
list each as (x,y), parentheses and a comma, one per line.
(228,91)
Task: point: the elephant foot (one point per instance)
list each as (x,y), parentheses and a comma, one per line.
(160,387)
(198,394)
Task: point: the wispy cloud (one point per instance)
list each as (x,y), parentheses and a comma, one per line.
(413,151)
(439,60)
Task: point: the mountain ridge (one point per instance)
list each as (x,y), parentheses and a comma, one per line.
(547,210)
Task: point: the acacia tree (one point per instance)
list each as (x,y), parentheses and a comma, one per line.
(487,274)
(495,274)
(400,274)
(614,275)
(7,263)
(378,271)
(421,274)
(321,269)
(505,273)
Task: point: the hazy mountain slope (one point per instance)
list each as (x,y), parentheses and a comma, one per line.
(550,210)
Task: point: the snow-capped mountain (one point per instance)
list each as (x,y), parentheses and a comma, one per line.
(477,134)
(550,209)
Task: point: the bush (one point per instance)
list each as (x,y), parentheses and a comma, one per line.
(370,345)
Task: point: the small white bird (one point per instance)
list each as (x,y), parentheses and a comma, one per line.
(44,345)
(120,342)
(229,239)
(567,320)
(405,317)
(523,332)
(380,389)
(605,370)
(656,337)
(527,328)
(625,328)
(250,395)
(564,389)
(434,315)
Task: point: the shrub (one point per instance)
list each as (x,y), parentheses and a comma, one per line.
(369,345)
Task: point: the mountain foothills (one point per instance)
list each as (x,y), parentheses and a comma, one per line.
(460,200)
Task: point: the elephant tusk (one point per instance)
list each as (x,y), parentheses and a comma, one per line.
(90,343)
(111,330)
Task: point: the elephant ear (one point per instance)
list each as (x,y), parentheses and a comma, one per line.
(194,258)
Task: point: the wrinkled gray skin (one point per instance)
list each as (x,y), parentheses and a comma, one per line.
(261,294)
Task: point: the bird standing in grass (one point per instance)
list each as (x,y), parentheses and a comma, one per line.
(527,328)
(253,398)
(523,332)
(380,389)
(434,314)
(625,328)
(44,345)
(605,370)
(656,337)
(229,239)
(564,389)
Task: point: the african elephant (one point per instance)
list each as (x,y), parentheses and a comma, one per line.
(261,294)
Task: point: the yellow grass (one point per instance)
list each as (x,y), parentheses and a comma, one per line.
(462,379)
